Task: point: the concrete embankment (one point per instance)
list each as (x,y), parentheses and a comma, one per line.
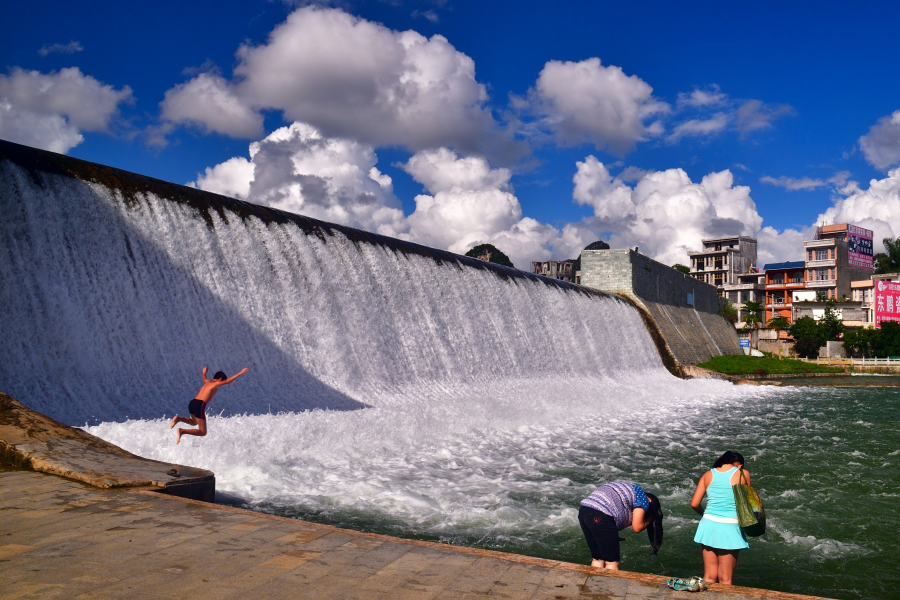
(31,440)
(695,372)
(682,309)
(108,538)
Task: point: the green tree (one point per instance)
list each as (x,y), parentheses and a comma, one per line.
(830,324)
(887,342)
(779,323)
(680,267)
(489,253)
(755,313)
(729,312)
(807,337)
(860,342)
(889,260)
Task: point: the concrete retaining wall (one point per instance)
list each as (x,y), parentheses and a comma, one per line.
(684,309)
(34,441)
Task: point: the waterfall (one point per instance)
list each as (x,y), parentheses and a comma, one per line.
(117,289)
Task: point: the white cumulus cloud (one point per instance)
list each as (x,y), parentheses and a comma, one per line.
(209,102)
(876,208)
(666,214)
(348,77)
(50,110)
(881,145)
(467,203)
(586,102)
(299,170)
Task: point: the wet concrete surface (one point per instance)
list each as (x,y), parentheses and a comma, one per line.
(64,539)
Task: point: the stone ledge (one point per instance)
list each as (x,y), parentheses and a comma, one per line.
(33,441)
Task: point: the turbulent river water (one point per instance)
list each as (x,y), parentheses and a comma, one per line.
(506,468)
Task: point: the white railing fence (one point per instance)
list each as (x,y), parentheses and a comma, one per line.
(892,361)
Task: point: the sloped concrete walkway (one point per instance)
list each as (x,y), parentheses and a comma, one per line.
(64,539)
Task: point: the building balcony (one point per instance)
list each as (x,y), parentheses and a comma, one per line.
(818,243)
(786,285)
(823,283)
(782,304)
(827,262)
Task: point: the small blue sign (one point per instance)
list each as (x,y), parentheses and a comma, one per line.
(745,342)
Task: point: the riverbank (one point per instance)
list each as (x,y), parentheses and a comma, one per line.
(68,539)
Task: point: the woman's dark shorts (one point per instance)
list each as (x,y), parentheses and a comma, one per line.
(601,534)
(197,408)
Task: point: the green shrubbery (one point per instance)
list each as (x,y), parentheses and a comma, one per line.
(878,343)
(756,365)
(810,335)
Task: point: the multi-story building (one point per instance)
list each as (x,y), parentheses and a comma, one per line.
(782,281)
(723,259)
(557,269)
(750,287)
(864,292)
(839,255)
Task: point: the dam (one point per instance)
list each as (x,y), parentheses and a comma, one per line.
(398,390)
(118,288)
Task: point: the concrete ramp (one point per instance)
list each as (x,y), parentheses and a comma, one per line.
(685,311)
(31,440)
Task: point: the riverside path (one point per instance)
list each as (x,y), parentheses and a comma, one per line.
(65,539)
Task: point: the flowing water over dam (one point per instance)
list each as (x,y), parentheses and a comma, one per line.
(114,302)
(404,390)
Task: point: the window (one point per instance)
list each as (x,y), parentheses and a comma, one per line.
(797,277)
(820,274)
(690,298)
(822,254)
(745,296)
(777,278)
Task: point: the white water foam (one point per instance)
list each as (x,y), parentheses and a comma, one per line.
(474,460)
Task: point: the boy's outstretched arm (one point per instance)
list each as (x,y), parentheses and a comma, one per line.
(235,376)
(205,380)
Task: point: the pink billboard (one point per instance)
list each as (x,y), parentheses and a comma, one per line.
(887,302)
(860,246)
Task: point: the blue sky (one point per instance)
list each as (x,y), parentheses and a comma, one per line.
(782,97)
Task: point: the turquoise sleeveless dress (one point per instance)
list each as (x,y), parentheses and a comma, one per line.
(719,526)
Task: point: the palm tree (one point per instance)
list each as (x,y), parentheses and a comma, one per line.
(755,313)
(889,260)
(779,323)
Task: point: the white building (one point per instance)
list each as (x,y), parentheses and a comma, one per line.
(723,259)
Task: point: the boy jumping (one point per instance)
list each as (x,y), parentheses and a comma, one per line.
(197,406)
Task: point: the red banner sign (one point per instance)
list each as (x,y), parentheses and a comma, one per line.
(887,302)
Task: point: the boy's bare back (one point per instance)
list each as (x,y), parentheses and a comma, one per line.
(211,386)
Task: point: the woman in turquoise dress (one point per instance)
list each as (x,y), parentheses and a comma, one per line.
(719,532)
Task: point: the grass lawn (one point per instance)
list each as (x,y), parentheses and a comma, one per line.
(758,365)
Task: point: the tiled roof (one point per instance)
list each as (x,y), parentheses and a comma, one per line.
(797,264)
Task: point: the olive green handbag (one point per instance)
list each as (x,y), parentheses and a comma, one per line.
(750,511)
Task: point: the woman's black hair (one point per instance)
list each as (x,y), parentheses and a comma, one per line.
(729,458)
(220,375)
(655,529)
